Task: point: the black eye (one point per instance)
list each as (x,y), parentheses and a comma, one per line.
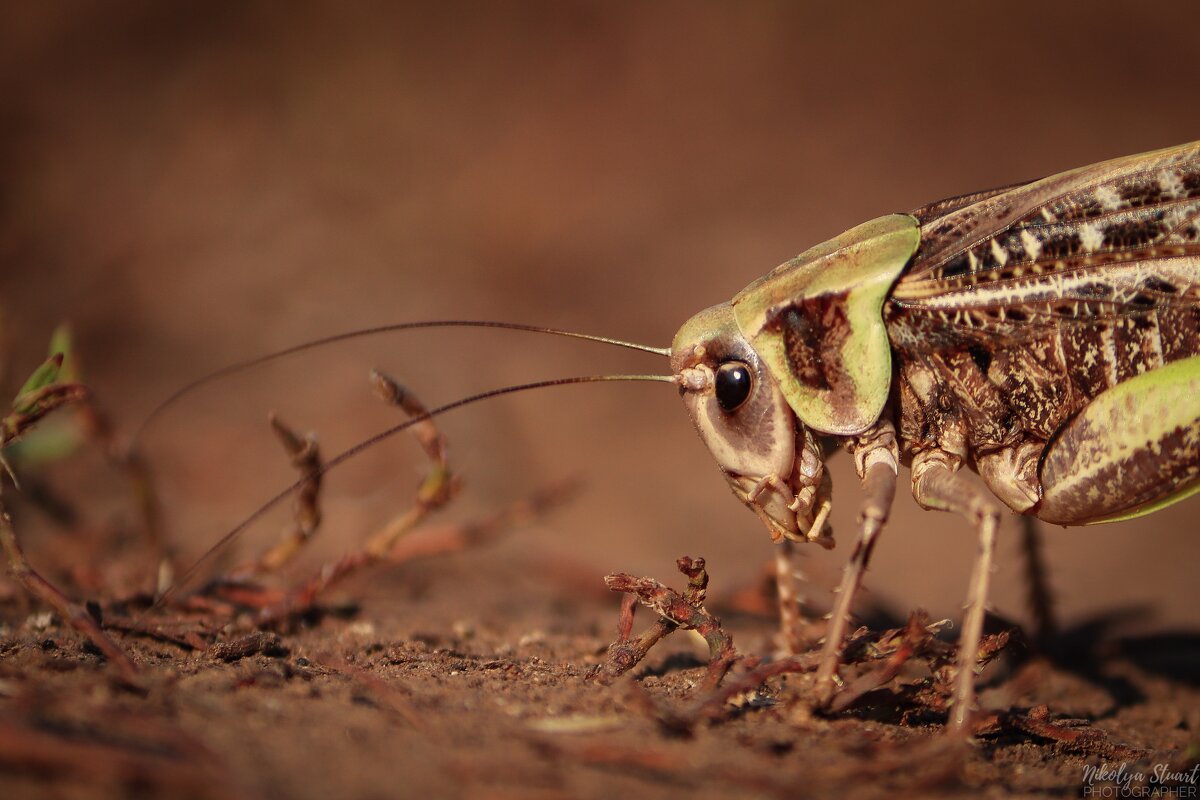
(733,385)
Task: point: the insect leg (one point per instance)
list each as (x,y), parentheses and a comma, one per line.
(1037,581)
(787,578)
(1011,473)
(875,457)
(1133,449)
(938,485)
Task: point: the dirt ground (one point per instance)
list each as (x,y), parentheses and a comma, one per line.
(469,677)
(188,185)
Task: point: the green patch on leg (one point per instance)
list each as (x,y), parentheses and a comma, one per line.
(1133,450)
(1150,508)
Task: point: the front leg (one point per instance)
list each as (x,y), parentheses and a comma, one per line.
(937,484)
(787,580)
(875,458)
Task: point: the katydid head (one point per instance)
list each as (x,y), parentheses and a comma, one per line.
(798,353)
(771,460)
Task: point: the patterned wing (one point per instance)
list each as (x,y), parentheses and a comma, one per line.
(1096,269)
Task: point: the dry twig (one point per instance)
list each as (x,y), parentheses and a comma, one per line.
(675,611)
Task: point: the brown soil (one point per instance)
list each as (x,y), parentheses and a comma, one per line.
(189,186)
(470,677)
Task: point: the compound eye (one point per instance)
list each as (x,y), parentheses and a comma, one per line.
(732,385)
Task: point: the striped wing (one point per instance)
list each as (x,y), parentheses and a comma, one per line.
(1099,266)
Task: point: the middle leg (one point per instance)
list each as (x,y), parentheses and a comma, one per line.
(938,485)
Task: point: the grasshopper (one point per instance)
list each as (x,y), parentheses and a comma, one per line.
(1044,335)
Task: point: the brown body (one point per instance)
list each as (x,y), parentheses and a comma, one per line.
(1002,339)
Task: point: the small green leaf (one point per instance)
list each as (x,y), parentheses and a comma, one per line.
(42,377)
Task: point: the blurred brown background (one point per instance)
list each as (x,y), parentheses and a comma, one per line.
(190,184)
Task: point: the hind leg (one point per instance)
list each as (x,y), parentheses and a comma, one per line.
(1133,450)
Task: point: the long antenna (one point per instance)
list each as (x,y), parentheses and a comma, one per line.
(362,332)
(370,442)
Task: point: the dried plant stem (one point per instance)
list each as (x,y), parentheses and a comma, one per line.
(676,610)
(426,543)
(306,457)
(72,613)
(130,462)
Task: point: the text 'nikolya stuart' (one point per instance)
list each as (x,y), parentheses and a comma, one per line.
(1106,780)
